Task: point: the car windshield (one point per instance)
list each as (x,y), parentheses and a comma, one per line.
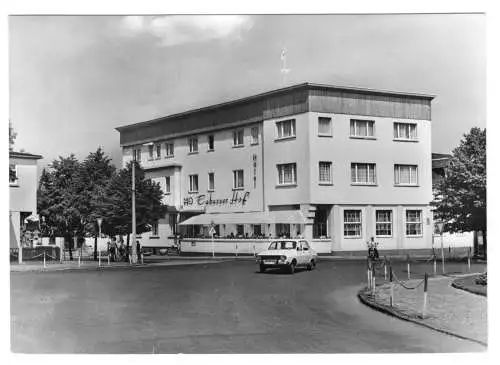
(283,245)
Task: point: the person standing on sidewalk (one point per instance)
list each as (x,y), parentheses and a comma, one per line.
(139,253)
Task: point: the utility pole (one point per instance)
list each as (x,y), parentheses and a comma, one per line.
(134,247)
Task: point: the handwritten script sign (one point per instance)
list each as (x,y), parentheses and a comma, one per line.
(239,198)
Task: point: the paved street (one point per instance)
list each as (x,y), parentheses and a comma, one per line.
(215,308)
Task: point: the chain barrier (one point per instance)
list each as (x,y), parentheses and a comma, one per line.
(404,286)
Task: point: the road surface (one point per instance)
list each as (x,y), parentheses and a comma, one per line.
(215,308)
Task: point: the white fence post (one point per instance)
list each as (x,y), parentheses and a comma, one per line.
(424,306)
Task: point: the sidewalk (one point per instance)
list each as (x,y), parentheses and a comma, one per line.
(92,265)
(449,310)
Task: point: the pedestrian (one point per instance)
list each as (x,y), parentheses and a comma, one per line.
(138,246)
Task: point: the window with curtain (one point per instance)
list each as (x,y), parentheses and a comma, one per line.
(167,184)
(285,128)
(352,223)
(413,222)
(136,154)
(362,128)
(158,151)
(383,223)
(169,149)
(193,183)
(255,135)
(405,131)
(287,174)
(405,174)
(150,151)
(238,182)
(363,173)
(324,126)
(238,138)
(211,144)
(193,145)
(325,172)
(211,181)
(154,229)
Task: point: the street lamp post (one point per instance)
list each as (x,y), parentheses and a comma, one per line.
(134,224)
(134,247)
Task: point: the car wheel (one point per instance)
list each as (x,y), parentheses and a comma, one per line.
(291,268)
(262,268)
(312,265)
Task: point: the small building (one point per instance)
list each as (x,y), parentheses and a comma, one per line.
(336,165)
(23,184)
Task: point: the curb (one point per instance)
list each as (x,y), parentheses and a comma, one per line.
(102,268)
(395,313)
(459,287)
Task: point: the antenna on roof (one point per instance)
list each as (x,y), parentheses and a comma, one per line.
(284,70)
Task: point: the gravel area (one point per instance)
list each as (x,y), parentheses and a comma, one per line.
(448,309)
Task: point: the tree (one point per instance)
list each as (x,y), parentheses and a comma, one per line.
(70,195)
(460,198)
(95,173)
(56,198)
(12,136)
(118,203)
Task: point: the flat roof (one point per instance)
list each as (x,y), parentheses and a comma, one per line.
(305,85)
(24,155)
(441,156)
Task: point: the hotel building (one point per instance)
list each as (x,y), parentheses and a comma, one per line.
(336,165)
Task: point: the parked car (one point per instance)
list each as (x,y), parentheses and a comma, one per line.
(288,254)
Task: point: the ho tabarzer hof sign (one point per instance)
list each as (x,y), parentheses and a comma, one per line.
(238,198)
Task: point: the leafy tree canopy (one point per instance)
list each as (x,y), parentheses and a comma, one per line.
(460,198)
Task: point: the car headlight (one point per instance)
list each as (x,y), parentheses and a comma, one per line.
(283,258)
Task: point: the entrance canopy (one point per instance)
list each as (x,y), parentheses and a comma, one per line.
(284,216)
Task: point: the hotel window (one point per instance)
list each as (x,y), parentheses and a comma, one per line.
(285,128)
(238,179)
(363,173)
(287,174)
(255,135)
(167,184)
(238,138)
(405,174)
(158,151)
(193,183)
(169,149)
(383,223)
(413,222)
(352,223)
(12,174)
(324,126)
(283,230)
(325,172)
(362,128)
(211,181)
(211,142)
(240,230)
(154,229)
(150,151)
(257,230)
(136,154)
(193,145)
(405,131)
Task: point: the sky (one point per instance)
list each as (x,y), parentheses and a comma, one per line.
(74,79)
